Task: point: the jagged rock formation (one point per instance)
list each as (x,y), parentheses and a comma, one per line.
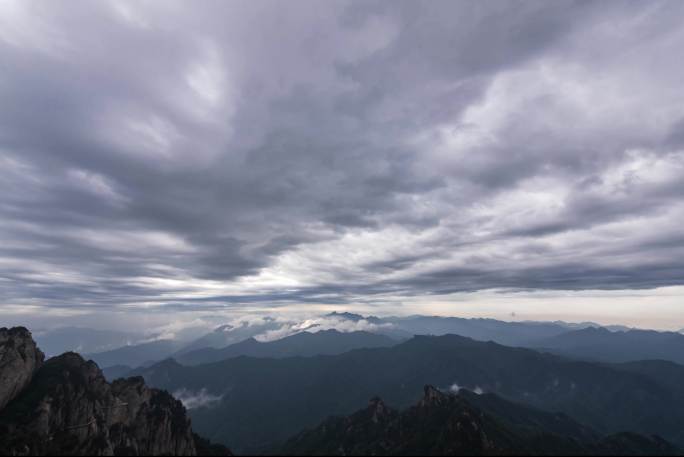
(68,408)
(445,424)
(19,360)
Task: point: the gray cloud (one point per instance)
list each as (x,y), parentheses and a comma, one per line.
(341,152)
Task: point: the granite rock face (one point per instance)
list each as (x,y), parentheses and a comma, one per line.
(66,407)
(20,358)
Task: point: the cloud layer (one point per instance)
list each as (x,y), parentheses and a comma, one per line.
(160,155)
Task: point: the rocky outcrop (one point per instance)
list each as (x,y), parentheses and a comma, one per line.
(68,408)
(155,423)
(19,360)
(463,424)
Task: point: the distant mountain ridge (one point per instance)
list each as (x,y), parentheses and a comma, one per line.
(508,333)
(80,339)
(304,344)
(228,334)
(547,336)
(588,324)
(123,349)
(356,317)
(136,355)
(622,346)
(463,424)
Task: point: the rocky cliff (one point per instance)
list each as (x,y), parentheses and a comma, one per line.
(20,358)
(66,407)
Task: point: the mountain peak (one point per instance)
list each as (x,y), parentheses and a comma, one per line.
(16,332)
(433,395)
(378,409)
(354,317)
(249,341)
(346,315)
(20,358)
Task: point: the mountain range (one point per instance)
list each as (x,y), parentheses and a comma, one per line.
(621,346)
(135,350)
(299,394)
(303,344)
(508,333)
(82,339)
(228,334)
(260,402)
(129,349)
(137,354)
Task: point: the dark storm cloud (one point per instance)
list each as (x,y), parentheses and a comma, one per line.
(310,152)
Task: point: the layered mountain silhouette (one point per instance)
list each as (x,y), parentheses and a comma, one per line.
(82,339)
(508,333)
(130,351)
(228,334)
(464,424)
(137,354)
(64,406)
(264,401)
(621,346)
(397,328)
(303,344)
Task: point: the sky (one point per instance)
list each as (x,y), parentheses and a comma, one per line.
(166,161)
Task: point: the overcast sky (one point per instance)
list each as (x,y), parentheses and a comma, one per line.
(176,159)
